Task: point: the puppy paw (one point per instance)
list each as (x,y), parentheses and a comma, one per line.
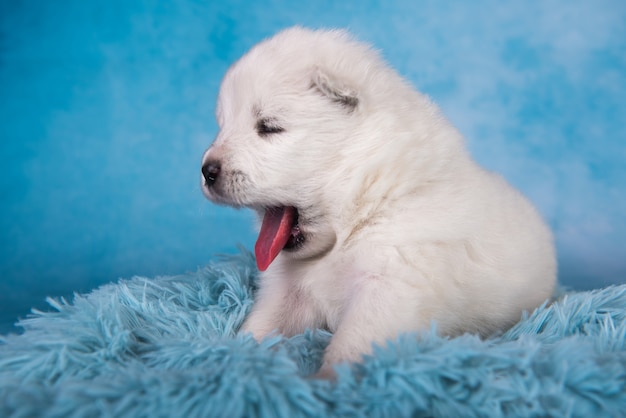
(326,372)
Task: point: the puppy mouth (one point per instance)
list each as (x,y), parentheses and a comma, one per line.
(280,230)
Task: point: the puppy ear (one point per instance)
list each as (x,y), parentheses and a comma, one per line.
(335,89)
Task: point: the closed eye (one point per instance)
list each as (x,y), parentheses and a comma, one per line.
(267,126)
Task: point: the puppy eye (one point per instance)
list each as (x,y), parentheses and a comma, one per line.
(266,127)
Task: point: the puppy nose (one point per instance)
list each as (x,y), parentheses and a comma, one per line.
(211,171)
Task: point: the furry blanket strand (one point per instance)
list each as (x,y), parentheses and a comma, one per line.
(168,347)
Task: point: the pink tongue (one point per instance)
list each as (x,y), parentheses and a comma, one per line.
(275,232)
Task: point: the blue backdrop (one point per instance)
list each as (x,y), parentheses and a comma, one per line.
(107,106)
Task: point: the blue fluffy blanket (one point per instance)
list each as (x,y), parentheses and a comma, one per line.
(168,347)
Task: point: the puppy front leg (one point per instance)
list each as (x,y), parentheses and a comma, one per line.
(280,307)
(379,309)
(267,310)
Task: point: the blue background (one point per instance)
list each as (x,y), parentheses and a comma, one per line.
(107,106)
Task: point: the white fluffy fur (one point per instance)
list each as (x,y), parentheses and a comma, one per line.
(402,227)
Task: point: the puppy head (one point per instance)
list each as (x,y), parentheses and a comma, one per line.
(287,111)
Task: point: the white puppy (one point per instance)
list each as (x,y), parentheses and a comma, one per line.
(374,219)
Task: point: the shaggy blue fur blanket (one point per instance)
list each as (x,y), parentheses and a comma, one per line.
(169,347)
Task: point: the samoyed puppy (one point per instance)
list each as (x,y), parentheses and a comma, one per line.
(374,219)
